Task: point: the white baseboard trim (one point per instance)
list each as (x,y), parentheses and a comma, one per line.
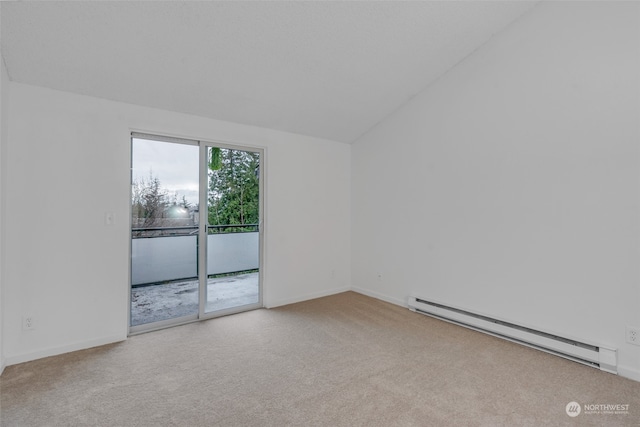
(306,297)
(54,351)
(632,374)
(380,296)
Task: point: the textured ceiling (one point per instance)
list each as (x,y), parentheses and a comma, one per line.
(325,69)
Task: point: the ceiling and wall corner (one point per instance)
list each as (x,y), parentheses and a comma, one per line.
(324,69)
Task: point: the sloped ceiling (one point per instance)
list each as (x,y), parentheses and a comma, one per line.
(326,69)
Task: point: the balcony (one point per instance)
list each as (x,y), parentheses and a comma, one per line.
(164,271)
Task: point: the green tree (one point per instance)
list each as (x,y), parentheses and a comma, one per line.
(234,189)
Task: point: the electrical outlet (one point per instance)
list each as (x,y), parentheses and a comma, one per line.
(633,335)
(28,323)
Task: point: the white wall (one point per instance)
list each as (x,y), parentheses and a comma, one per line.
(68,160)
(510,186)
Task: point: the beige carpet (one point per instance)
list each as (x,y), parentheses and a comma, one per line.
(343,360)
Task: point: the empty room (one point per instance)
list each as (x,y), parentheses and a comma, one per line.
(319,213)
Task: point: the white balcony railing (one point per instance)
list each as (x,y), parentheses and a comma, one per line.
(165,258)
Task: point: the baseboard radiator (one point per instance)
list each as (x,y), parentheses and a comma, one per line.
(605,359)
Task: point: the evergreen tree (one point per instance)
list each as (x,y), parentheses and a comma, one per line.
(234,189)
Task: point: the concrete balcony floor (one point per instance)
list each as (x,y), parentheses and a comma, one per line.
(180,298)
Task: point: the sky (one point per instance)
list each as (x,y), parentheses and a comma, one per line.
(175,165)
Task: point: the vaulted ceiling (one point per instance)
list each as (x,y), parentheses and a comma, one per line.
(326,69)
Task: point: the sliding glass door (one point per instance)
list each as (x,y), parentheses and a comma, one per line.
(232,229)
(164,232)
(188,262)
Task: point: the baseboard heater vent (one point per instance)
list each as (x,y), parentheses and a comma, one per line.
(605,359)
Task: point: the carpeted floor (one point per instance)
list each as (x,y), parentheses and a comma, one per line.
(343,360)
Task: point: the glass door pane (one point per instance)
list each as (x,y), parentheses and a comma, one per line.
(164,232)
(232,230)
